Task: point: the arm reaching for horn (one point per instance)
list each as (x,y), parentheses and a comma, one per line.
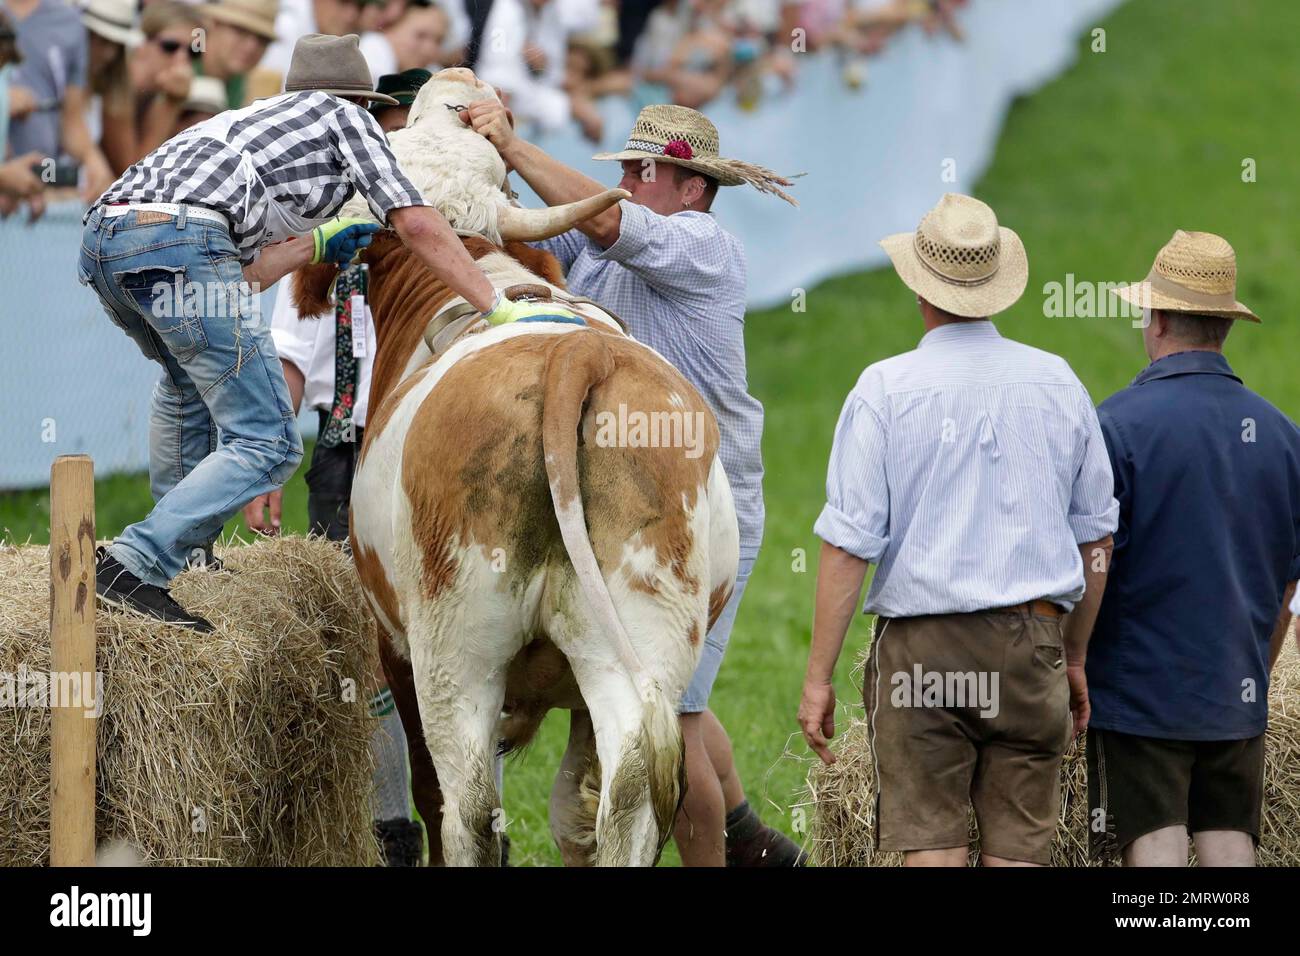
(554,182)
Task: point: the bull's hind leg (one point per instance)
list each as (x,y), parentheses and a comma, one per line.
(638,744)
(460,677)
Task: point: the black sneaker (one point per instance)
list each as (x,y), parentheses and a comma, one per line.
(118,587)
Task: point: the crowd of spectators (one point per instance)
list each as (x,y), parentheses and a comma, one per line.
(86,89)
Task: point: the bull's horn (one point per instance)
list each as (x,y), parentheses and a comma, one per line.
(530,225)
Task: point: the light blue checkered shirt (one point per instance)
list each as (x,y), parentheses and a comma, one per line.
(970,470)
(679,283)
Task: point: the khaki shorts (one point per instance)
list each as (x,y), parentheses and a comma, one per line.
(968,710)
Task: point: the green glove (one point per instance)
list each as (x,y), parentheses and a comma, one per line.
(339,240)
(506,310)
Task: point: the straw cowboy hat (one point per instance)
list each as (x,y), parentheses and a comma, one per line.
(255,16)
(960,260)
(685,137)
(1195,272)
(331,64)
(114,20)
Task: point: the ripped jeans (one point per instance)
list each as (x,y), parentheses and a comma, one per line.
(221,428)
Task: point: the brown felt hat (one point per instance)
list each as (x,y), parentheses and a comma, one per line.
(329,64)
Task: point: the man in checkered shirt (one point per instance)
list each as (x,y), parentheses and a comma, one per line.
(177,250)
(663,263)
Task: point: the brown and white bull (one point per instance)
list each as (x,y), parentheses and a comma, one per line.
(517,560)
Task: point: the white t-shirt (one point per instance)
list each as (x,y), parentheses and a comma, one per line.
(309,344)
(512,25)
(295,20)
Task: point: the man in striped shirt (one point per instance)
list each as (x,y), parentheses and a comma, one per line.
(973,472)
(178,249)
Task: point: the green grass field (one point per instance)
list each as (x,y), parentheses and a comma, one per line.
(1095,172)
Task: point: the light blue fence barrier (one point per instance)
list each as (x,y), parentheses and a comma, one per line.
(875,158)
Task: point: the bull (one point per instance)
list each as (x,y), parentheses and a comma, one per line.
(515,559)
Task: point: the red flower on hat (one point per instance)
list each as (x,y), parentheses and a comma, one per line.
(678,149)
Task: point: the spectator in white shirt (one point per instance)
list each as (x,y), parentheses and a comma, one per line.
(523,53)
(298,18)
(973,472)
(414,41)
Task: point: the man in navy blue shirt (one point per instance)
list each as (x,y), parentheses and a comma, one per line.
(1207,475)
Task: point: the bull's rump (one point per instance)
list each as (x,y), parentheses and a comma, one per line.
(473,467)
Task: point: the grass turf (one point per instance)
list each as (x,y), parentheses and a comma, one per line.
(1095,172)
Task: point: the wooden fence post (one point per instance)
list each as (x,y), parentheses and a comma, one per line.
(72,652)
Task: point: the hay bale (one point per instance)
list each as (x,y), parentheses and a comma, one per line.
(841,797)
(249,746)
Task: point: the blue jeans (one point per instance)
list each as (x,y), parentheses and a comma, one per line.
(221,428)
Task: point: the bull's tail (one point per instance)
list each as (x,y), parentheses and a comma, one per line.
(578,363)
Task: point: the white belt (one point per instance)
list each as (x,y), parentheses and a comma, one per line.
(171,209)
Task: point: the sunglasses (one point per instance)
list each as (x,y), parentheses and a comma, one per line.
(169,46)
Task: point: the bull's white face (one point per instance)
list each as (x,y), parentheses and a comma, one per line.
(448,88)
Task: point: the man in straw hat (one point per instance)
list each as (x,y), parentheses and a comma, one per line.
(1207,475)
(973,472)
(177,250)
(663,263)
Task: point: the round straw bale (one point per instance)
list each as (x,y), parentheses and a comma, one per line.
(249,746)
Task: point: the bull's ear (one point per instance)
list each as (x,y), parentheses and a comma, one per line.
(311,289)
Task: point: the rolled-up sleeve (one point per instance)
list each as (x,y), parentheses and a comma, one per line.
(683,257)
(1094,510)
(365,155)
(856,516)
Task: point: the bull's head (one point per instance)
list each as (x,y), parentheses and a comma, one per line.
(460,173)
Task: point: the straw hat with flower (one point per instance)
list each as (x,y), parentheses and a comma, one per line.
(1195,272)
(960,260)
(685,137)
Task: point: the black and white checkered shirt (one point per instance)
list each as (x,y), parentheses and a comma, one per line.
(310,151)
